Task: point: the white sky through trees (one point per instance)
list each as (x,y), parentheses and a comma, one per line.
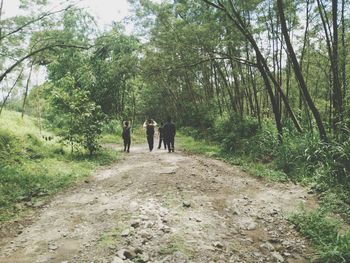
(105,11)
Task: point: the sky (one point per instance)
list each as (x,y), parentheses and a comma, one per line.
(105,11)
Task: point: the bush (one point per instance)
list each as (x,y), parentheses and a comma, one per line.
(234,132)
(112,127)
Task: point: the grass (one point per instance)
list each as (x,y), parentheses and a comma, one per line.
(176,243)
(325,233)
(212,149)
(32,168)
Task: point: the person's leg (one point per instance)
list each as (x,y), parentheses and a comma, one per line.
(152,143)
(129,143)
(168,144)
(164,142)
(124,144)
(149,142)
(172,143)
(160,142)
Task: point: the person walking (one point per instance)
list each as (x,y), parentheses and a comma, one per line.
(169,130)
(149,125)
(126,136)
(161,136)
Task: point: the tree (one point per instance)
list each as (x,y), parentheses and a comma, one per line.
(81,120)
(298,73)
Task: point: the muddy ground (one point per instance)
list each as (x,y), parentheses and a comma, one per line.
(161,207)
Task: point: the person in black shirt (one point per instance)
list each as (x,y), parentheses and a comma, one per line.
(161,136)
(149,125)
(126,136)
(169,130)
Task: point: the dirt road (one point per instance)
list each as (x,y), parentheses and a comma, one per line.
(160,207)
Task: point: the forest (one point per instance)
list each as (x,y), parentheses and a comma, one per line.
(263,85)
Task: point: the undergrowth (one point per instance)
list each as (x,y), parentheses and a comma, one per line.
(34,164)
(325,233)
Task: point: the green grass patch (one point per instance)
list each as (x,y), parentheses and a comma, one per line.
(176,243)
(32,167)
(325,233)
(113,236)
(212,149)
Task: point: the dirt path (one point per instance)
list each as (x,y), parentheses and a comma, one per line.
(160,207)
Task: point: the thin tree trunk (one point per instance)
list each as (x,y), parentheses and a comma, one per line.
(337,93)
(1,6)
(344,52)
(27,89)
(241,27)
(299,74)
(10,91)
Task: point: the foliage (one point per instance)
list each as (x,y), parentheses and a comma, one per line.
(234,132)
(82,119)
(32,167)
(325,233)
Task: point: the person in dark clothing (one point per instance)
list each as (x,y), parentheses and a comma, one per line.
(161,136)
(149,125)
(169,130)
(126,136)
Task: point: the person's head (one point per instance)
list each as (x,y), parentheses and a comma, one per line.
(126,123)
(161,124)
(149,121)
(168,119)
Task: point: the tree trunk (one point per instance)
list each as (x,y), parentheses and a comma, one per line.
(27,89)
(337,93)
(299,74)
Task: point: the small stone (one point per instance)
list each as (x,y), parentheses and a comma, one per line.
(146,235)
(135,224)
(269,246)
(165,229)
(19,206)
(144,258)
(120,253)
(129,253)
(138,250)
(117,260)
(251,226)
(125,233)
(273,212)
(235,212)
(218,244)
(277,256)
(53,247)
(186,204)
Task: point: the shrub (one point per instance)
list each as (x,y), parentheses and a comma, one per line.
(233,131)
